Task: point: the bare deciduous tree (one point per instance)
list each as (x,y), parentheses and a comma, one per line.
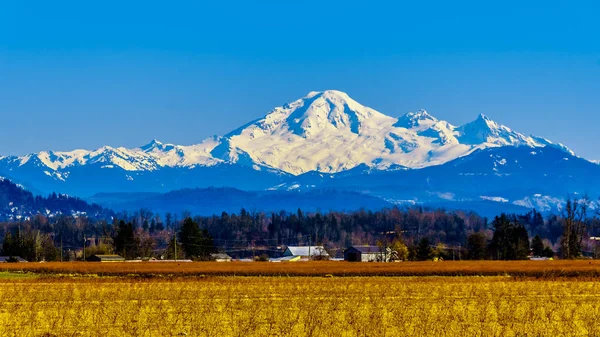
(574,216)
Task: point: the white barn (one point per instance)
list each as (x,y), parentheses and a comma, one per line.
(306,251)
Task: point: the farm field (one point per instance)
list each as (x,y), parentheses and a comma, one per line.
(544,269)
(298,306)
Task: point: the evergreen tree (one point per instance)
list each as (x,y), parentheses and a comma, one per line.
(477,246)
(548,252)
(537,223)
(125,241)
(537,246)
(196,243)
(424,251)
(11,244)
(510,241)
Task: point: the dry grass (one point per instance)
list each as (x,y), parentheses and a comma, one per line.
(547,269)
(299,306)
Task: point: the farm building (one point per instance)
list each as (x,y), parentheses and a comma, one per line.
(220,257)
(14,259)
(105,258)
(366,254)
(306,251)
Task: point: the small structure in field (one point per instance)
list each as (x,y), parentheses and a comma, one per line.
(12,259)
(220,257)
(366,254)
(313,252)
(105,258)
(285,259)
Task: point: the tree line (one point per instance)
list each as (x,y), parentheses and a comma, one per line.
(413,234)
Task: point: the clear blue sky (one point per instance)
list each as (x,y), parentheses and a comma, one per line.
(82,75)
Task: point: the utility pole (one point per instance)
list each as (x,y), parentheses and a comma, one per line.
(309,256)
(83,248)
(453,249)
(175,240)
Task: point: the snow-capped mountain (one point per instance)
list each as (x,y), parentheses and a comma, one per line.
(149,157)
(330,132)
(326,132)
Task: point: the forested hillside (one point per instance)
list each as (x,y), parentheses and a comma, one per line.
(16,203)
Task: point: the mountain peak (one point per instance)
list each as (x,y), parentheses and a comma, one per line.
(488,122)
(333,98)
(421,114)
(483,130)
(152,145)
(483,126)
(328,94)
(414,119)
(321,112)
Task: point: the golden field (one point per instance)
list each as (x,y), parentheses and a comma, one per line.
(544,269)
(298,306)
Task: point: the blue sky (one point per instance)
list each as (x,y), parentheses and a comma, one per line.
(82,75)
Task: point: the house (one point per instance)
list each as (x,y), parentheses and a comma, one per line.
(14,259)
(105,258)
(366,254)
(220,257)
(314,252)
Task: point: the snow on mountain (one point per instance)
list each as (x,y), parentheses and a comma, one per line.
(149,157)
(542,203)
(326,131)
(330,132)
(416,120)
(169,155)
(485,131)
(519,176)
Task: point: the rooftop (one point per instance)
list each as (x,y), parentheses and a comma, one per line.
(304,250)
(367,249)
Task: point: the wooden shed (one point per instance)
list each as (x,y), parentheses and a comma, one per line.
(366,254)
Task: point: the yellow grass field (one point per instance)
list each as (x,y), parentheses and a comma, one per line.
(545,269)
(298,306)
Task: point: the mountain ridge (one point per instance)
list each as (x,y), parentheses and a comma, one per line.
(337,131)
(531,177)
(316,137)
